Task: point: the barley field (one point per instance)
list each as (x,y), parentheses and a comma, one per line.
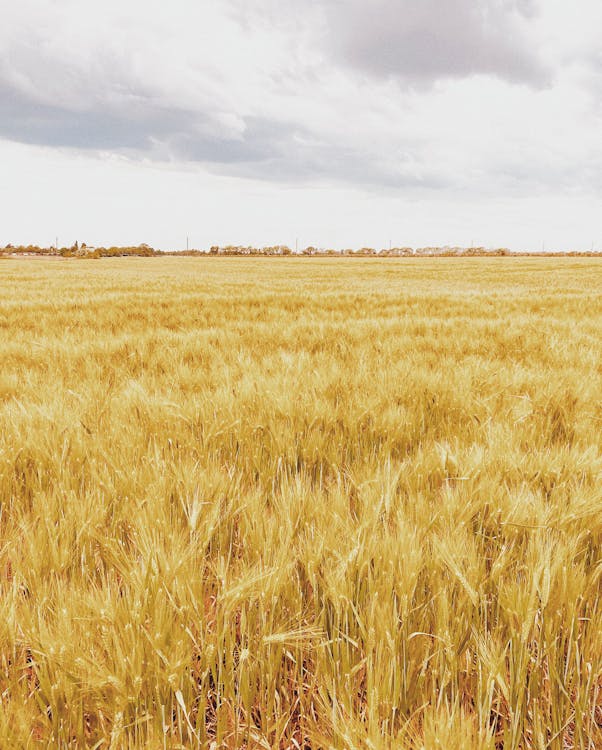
(301,503)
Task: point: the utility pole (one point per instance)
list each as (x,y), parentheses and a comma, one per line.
(186,243)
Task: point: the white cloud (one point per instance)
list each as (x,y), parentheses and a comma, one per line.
(395,101)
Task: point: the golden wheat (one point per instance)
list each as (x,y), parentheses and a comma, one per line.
(301,503)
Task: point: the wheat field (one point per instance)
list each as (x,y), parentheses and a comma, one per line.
(301,503)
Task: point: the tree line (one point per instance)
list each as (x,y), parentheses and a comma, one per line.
(83,250)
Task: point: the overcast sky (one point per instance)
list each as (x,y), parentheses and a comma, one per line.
(340,123)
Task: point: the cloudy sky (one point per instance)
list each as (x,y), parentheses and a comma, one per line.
(338,123)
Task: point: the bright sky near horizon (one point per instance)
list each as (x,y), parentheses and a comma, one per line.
(337,123)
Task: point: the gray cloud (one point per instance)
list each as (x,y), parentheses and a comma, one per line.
(420,41)
(139,125)
(27,120)
(288,152)
(306,111)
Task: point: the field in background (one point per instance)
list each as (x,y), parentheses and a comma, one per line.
(301,503)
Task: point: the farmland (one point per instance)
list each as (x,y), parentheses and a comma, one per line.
(301,503)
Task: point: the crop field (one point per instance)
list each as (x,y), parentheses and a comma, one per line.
(301,503)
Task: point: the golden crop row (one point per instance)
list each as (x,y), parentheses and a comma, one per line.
(301,503)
